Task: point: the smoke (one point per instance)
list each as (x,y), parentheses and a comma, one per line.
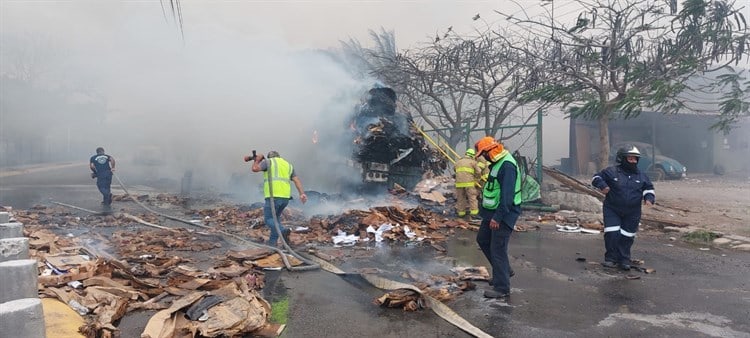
(162,106)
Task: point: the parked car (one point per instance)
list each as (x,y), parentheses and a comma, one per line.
(652,162)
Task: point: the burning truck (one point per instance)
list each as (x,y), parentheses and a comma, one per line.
(387,148)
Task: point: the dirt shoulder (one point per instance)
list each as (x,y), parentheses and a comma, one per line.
(710,202)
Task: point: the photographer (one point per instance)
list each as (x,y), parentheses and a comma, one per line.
(279,174)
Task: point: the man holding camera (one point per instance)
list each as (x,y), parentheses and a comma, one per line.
(277,189)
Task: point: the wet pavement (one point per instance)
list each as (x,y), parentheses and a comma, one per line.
(693,293)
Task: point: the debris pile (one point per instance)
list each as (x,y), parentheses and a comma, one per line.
(221,301)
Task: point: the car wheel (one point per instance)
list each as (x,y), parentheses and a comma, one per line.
(657,174)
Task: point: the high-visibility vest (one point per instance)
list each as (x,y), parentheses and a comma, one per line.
(280,172)
(491,192)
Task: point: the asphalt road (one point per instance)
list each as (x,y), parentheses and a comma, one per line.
(693,293)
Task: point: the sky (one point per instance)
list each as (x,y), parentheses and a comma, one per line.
(243,77)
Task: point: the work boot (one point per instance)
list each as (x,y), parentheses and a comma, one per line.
(495,294)
(624,267)
(608,264)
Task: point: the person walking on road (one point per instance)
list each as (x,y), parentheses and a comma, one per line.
(467,175)
(625,189)
(102,166)
(278,174)
(500,209)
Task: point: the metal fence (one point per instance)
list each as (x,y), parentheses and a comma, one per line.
(526,139)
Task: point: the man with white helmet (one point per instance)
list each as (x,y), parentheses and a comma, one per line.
(626,188)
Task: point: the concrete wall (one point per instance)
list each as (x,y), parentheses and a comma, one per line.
(21,311)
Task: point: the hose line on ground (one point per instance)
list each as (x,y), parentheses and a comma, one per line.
(284,258)
(277,225)
(437,306)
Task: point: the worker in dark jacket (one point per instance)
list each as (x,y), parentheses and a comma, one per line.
(102,166)
(626,188)
(501,207)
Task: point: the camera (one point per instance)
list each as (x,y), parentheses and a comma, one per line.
(251,158)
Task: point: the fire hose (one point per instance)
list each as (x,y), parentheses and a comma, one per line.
(437,306)
(277,227)
(284,258)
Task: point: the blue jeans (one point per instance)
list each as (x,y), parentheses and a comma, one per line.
(494,245)
(103,182)
(279,203)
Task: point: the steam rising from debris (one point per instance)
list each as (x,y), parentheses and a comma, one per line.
(163,106)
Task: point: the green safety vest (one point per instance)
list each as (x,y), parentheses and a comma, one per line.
(491,191)
(279,171)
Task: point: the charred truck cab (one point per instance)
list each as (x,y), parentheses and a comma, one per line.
(387,149)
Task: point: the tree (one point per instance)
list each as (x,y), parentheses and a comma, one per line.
(453,83)
(621,56)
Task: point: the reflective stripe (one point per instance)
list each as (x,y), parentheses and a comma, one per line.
(628,234)
(465,170)
(474,211)
(465,185)
(649,192)
(462,213)
(610,229)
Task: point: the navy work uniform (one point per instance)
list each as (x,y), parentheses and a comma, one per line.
(501,202)
(102,165)
(628,188)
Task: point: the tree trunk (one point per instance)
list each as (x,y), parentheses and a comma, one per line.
(603,141)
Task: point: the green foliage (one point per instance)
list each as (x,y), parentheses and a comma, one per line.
(701,236)
(280,311)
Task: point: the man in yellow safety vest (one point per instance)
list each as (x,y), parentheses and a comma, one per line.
(278,175)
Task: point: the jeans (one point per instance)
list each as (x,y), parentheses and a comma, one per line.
(103,182)
(279,203)
(494,245)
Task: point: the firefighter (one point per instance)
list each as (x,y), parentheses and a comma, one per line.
(625,189)
(467,173)
(500,209)
(281,173)
(484,167)
(102,166)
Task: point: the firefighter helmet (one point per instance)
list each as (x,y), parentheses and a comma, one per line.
(627,150)
(470,152)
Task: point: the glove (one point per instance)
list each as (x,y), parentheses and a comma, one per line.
(93,175)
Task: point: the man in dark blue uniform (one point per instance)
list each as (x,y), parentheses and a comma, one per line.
(626,188)
(102,166)
(501,207)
